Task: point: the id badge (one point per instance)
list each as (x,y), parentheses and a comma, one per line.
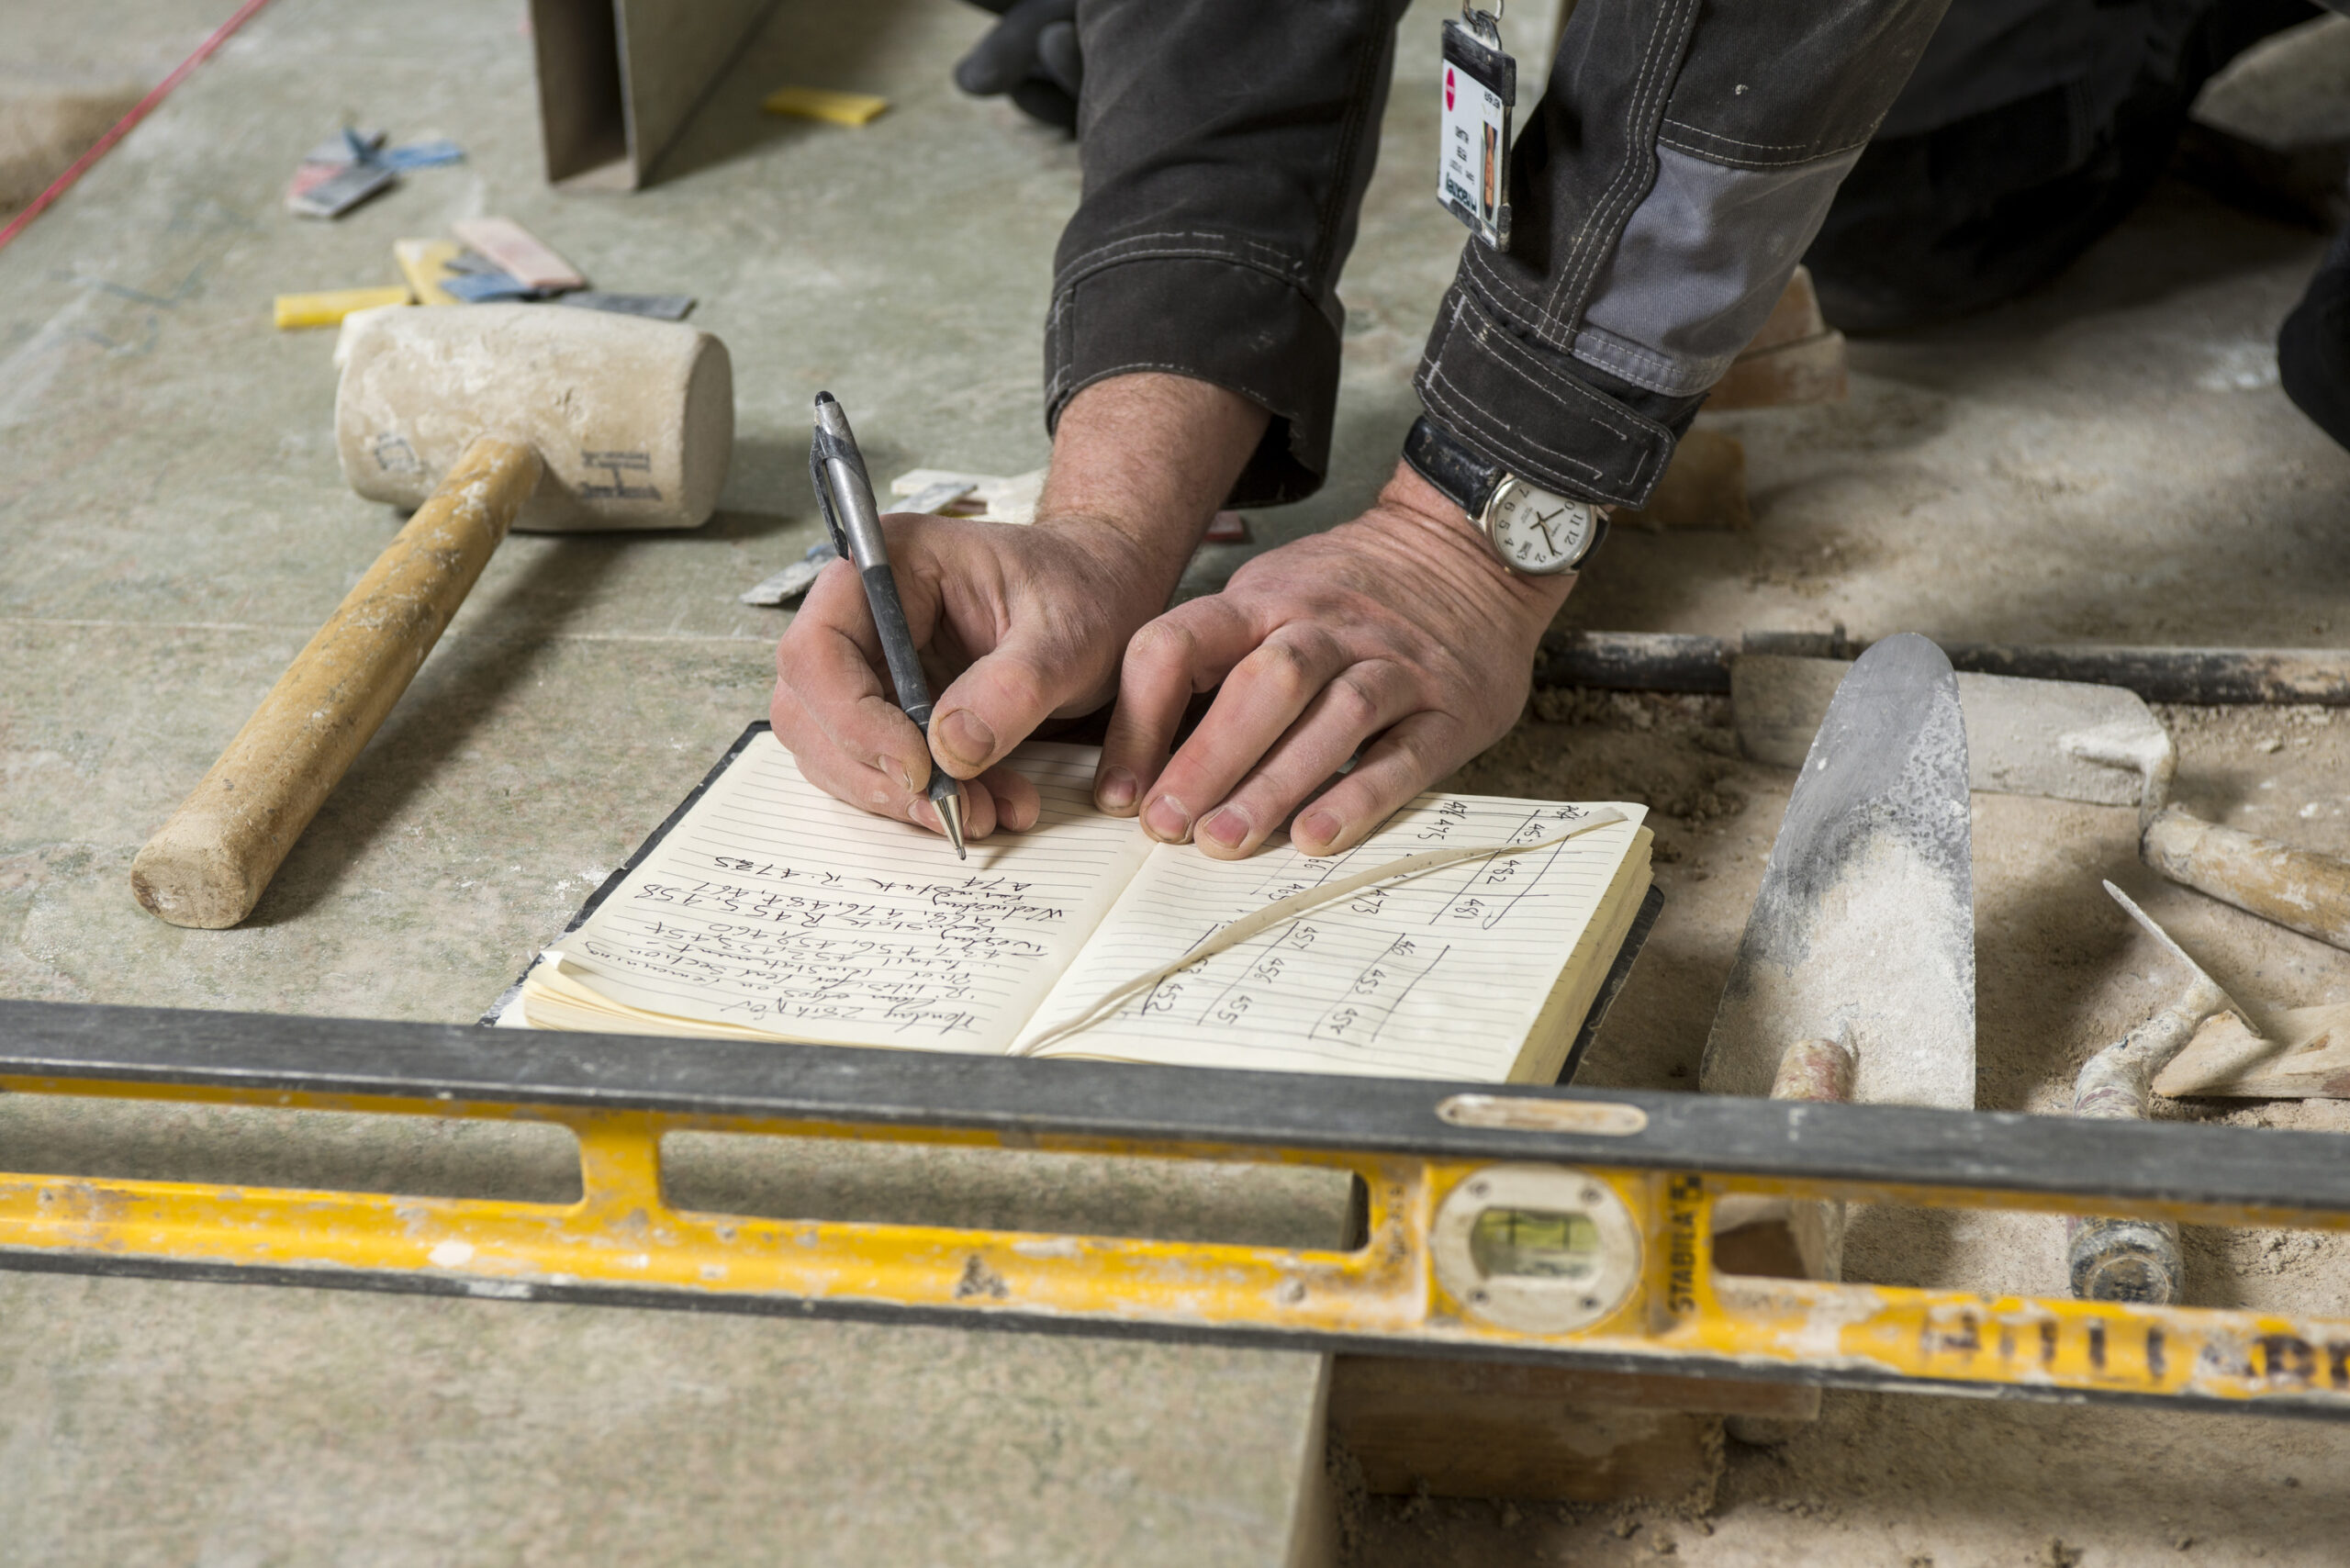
(1480,89)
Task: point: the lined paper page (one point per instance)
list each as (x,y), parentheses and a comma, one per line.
(1441,976)
(775,907)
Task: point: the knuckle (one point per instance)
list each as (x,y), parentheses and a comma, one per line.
(1283,664)
(1354,701)
(1160,643)
(1268,798)
(1412,746)
(1321,637)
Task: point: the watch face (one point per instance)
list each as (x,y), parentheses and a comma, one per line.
(1537,532)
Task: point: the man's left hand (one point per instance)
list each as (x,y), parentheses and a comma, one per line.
(1400,629)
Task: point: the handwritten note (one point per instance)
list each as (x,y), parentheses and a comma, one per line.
(775,908)
(1442,977)
(771,910)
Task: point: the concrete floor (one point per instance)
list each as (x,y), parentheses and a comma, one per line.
(2110,459)
(67,74)
(173,526)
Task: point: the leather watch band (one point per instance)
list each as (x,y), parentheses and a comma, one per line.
(1467,479)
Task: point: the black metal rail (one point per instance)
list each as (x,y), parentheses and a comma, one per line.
(1673,661)
(2213,1167)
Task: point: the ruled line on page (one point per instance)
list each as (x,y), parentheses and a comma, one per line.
(773,907)
(1443,975)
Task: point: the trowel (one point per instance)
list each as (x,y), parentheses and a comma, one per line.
(1863,932)
(2073,740)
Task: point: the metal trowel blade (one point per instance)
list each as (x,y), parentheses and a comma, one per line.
(1863,930)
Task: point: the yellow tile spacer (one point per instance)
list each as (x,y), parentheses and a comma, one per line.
(328,308)
(822,103)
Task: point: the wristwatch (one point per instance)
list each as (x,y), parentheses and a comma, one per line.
(1531,530)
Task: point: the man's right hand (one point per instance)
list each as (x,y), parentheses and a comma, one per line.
(1016,625)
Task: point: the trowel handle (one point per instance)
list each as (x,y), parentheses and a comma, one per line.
(2298,889)
(207,866)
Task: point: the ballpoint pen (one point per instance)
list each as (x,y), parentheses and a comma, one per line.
(845,495)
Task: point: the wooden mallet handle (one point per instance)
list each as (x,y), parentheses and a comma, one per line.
(207,866)
(2300,890)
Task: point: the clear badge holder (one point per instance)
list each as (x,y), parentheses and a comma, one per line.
(1479,91)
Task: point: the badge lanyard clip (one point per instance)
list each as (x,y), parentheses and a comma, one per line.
(1479,91)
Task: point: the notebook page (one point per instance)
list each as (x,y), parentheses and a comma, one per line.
(773,906)
(1440,977)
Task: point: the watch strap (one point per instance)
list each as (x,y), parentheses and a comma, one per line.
(1466,478)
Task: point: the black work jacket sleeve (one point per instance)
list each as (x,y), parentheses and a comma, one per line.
(1682,157)
(1225,146)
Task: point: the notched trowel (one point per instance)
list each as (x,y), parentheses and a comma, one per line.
(1863,932)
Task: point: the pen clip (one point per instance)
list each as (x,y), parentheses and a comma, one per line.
(823,487)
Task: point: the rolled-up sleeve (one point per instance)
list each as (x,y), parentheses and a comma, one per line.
(1225,146)
(1683,156)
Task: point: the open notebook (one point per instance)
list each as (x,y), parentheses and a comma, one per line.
(766,909)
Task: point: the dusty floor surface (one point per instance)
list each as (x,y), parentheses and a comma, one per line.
(1905,1480)
(67,72)
(2109,459)
(2035,474)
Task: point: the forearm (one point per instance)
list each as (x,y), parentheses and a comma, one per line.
(1145,460)
(1226,145)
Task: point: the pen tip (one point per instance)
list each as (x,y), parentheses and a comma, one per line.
(950,816)
(823,398)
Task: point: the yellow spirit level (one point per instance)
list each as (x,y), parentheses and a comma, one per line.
(1574,1227)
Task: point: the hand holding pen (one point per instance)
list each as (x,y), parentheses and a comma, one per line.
(845,495)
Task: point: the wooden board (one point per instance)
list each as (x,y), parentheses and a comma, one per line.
(2306,1056)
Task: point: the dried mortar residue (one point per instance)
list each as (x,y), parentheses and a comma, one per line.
(1901,1481)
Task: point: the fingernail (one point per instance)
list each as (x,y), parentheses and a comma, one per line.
(1227,826)
(926,814)
(1114,790)
(1319,825)
(965,738)
(1167,819)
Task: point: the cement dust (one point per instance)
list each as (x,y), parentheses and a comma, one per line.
(1885,1480)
